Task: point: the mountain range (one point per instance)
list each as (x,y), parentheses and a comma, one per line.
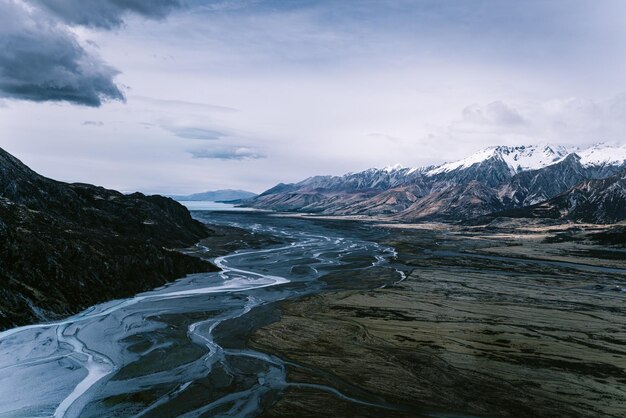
(226,195)
(494,180)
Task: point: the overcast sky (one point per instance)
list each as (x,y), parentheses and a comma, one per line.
(174,96)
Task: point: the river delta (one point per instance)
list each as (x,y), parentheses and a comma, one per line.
(325,317)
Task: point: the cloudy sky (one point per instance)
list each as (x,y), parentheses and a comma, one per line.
(174,96)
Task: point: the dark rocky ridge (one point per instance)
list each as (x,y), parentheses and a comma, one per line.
(64,247)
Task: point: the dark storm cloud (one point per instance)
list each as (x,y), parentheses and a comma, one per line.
(106,14)
(42,60)
(54,69)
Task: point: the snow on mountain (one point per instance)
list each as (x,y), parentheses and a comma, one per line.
(601,154)
(391,168)
(521,158)
(420,170)
(533,157)
(478,157)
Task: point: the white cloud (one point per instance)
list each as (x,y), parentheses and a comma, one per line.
(494,113)
(93,123)
(227,152)
(194,132)
(575,121)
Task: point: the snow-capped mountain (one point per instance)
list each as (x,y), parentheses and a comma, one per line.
(522,158)
(533,157)
(493,179)
(394,167)
(602,155)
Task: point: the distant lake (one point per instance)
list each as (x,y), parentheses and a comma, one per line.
(207,205)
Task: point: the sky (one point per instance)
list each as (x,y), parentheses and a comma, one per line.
(183,96)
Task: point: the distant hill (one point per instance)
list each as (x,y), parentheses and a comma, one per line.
(64,247)
(216,196)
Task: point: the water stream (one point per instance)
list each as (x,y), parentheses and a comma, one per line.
(180,350)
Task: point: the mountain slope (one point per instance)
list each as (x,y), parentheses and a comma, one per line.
(534,186)
(65,247)
(463,201)
(334,194)
(594,201)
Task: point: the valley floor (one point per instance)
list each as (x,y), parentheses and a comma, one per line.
(506,321)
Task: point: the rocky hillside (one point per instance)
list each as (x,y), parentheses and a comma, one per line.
(593,201)
(494,179)
(64,247)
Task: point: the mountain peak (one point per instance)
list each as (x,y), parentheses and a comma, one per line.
(394,167)
(518,158)
(601,154)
